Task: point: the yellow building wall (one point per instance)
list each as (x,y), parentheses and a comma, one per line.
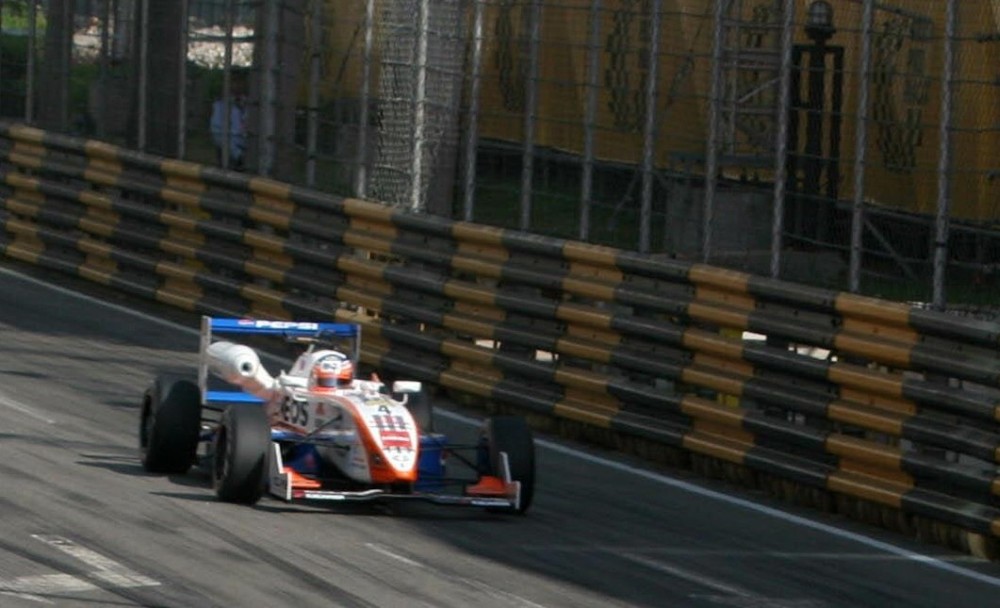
(905,94)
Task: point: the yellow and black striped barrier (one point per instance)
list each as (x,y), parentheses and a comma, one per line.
(587,335)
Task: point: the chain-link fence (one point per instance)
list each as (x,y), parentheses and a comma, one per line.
(846,143)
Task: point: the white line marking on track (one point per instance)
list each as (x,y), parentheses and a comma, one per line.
(46,584)
(500,594)
(105,569)
(24,409)
(699,579)
(734,594)
(386,552)
(619,466)
(26,596)
(484,587)
(749,505)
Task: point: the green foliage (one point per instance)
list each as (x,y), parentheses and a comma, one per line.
(16,17)
(13,71)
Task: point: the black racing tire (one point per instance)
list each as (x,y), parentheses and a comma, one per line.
(239,464)
(420,407)
(170,424)
(511,434)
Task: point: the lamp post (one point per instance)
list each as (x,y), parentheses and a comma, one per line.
(816,159)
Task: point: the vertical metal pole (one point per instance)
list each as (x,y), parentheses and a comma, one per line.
(590,118)
(29,92)
(105,71)
(472,130)
(714,111)
(113,14)
(66,60)
(1,51)
(530,109)
(182,106)
(361,176)
(417,202)
(312,127)
(942,221)
(143,74)
(781,135)
(227,84)
(269,89)
(861,147)
(649,130)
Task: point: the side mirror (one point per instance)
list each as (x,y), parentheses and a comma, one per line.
(406,386)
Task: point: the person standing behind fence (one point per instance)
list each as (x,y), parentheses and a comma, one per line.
(237,127)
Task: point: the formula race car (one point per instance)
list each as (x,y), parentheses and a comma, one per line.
(318,432)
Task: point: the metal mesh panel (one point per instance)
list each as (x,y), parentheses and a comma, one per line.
(588,119)
(418,92)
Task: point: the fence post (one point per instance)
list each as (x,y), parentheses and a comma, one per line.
(143,75)
(590,117)
(530,109)
(649,130)
(269,89)
(361,177)
(942,223)
(781,145)
(417,201)
(29,93)
(712,150)
(182,105)
(861,148)
(312,123)
(472,130)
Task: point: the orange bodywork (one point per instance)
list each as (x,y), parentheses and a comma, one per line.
(488,486)
(379,467)
(301,482)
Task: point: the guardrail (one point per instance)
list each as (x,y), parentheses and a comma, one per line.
(899,422)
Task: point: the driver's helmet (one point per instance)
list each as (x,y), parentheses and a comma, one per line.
(331,372)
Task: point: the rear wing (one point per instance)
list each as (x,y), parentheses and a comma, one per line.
(213,326)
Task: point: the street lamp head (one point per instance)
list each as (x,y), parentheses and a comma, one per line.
(819,21)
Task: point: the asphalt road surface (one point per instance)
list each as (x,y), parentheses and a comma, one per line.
(81,523)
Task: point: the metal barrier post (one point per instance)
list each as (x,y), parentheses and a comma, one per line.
(143,75)
(417,200)
(781,145)
(29,94)
(590,117)
(472,130)
(715,108)
(942,221)
(361,176)
(530,109)
(312,120)
(861,147)
(649,129)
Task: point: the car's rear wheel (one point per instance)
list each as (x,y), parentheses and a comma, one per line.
(170,424)
(239,467)
(511,435)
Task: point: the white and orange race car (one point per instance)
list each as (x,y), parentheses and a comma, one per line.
(318,432)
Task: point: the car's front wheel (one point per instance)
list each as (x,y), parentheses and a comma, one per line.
(511,435)
(239,468)
(170,424)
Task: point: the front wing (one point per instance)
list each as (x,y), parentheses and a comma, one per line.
(492,492)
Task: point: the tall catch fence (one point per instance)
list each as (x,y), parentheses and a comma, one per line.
(843,143)
(866,407)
